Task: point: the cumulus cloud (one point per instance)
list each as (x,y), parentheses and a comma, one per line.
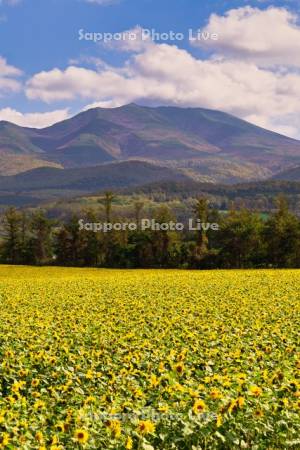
(165,74)
(10,2)
(102,2)
(267,37)
(249,73)
(104,104)
(34,120)
(134,40)
(8,78)
(71,83)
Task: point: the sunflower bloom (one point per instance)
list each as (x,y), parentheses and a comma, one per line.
(115,427)
(179,368)
(4,440)
(199,407)
(81,436)
(39,437)
(215,394)
(256,391)
(146,427)
(129,443)
(258,413)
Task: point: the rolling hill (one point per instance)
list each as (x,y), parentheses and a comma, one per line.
(89,179)
(61,190)
(289,175)
(207,145)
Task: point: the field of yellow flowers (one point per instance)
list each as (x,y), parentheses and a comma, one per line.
(112,359)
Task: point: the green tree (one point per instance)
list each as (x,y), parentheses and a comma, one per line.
(163,241)
(240,239)
(90,243)
(282,235)
(69,243)
(41,246)
(107,202)
(138,208)
(201,213)
(12,237)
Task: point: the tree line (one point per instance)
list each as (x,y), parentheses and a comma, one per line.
(245,239)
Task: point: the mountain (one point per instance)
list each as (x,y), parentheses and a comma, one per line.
(61,190)
(192,188)
(289,175)
(206,145)
(89,179)
(17,152)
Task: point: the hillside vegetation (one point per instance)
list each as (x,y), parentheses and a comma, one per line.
(209,144)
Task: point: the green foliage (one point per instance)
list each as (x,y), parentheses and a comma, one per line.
(245,239)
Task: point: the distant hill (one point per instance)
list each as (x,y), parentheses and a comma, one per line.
(289,175)
(89,179)
(189,188)
(59,190)
(208,145)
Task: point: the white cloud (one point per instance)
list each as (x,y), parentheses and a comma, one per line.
(34,120)
(242,77)
(267,37)
(102,2)
(10,2)
(73,82)
(8,75)
(88,60)
(165,74)
(104,104)
(288,125)
(134,40)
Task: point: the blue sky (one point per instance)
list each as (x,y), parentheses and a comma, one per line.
(47,73)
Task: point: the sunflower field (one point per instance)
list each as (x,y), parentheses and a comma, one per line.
(120,360)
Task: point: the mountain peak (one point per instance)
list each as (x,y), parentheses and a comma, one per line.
(201,142)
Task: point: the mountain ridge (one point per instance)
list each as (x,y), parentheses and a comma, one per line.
(292,174)
(216,146)
(110,176)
